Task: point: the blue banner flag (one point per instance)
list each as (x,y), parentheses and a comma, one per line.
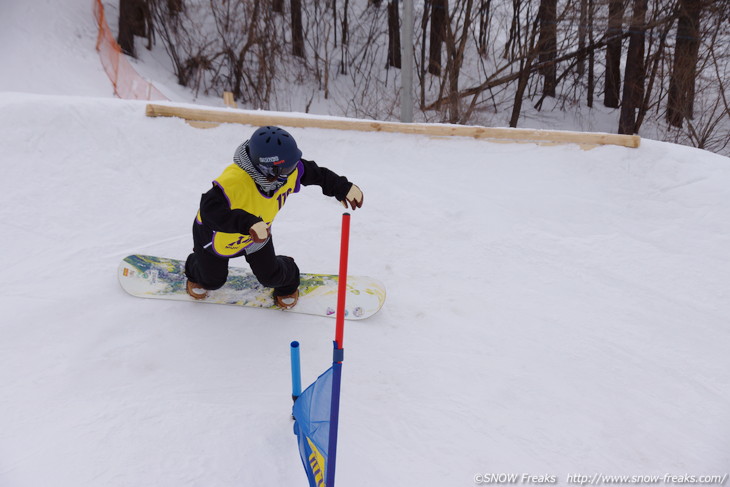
(317,410)
(311,413)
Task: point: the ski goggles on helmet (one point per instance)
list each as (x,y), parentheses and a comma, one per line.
(275,170)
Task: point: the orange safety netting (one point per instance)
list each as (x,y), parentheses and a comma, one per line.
(127,82)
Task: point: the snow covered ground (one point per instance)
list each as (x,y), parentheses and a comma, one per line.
(550,311)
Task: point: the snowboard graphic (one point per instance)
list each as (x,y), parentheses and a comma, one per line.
(147,276)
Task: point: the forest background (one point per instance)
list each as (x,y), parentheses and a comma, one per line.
(658,68)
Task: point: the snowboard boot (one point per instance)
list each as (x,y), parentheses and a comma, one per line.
(287,301)
(196,290)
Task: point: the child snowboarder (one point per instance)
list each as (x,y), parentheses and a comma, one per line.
(236,214)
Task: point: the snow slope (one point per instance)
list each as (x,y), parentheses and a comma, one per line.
(550,310)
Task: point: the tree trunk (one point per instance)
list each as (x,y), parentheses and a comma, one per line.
(547,45)
(439,17)
(591,56)
(514,32)
(532,51)
(582,35)
(423,66)
(635,73)
(346,23)
(132,22)
(456,47)
(525,69)
(680,104)
(334,22)
(611,95)
(393,35)
(484,11)
(297,33)
(175,7)
(345,37)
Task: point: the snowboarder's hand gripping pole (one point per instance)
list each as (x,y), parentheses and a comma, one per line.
(354,197)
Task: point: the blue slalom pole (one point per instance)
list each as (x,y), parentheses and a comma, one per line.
(296,374)
(337,358)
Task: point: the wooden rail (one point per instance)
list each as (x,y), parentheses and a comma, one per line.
(210,118)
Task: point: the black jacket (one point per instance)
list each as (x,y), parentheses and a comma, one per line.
(217,214)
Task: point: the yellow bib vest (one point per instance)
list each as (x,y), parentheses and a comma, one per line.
(243,194)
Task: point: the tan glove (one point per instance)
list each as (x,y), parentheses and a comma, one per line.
(259,232)
(354,197)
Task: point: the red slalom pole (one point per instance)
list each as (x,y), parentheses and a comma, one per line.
(338,353)
(342,284)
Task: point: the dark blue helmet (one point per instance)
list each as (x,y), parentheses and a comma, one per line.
(274,152)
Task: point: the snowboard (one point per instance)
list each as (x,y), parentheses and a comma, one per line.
(147,276)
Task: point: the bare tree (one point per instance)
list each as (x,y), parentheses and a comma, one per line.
(297,33)
(484,18)
(525,70)
(439,19)
(514,31)
(480,61)
(591,56)
(710,127)
(424,34)
(241,29)
(345,29)
(655,57)
(583,29)
(134,20)
(169,20)
(393,35)
(456,40)
(635,72)
(547,44)
(612,89)
(680,104)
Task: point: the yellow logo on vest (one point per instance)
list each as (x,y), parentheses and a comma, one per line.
(230,244)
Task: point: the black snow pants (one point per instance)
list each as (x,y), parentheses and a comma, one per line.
(276,271)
